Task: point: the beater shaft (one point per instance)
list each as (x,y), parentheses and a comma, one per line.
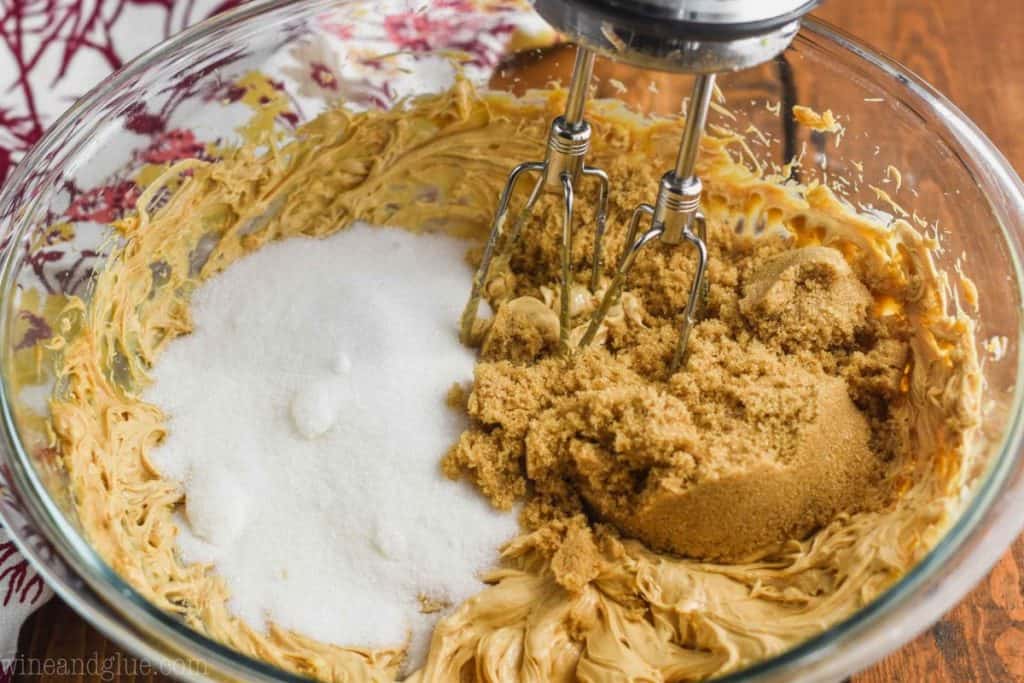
(579,82)
(674,215)
(563,166)
(696,120)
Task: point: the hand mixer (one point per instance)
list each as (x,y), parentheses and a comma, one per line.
(702,37)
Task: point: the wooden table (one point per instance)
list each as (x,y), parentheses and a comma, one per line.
(974,53)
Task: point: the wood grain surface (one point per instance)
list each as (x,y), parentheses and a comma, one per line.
(974,53)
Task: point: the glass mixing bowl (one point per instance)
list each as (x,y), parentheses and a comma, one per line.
(197,88)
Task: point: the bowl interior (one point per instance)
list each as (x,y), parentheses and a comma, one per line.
(284,66)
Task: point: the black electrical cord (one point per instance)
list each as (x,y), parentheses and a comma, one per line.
(788,122)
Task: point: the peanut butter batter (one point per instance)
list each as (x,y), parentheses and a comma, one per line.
(674,528)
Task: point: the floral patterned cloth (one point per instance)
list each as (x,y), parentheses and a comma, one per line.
(54,51)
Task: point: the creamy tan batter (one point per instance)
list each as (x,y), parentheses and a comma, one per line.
(575,599)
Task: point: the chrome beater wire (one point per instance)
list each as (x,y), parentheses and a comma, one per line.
(563,165)
(675,218)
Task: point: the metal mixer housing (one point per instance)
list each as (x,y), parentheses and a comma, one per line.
(692,36)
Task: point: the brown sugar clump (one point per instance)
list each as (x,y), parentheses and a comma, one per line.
(727,507)
(806,296)
(522,330)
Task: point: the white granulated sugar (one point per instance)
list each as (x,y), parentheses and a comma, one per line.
(307,419)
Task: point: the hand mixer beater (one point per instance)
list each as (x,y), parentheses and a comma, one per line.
(702,37)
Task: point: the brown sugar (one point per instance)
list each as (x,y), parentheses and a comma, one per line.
(807,296)
(777,424)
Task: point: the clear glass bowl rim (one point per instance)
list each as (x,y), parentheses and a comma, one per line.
(124,615)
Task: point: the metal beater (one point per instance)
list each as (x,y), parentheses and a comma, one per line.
(702,37)
(561,170)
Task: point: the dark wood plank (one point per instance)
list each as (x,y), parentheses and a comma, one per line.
(974,53)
